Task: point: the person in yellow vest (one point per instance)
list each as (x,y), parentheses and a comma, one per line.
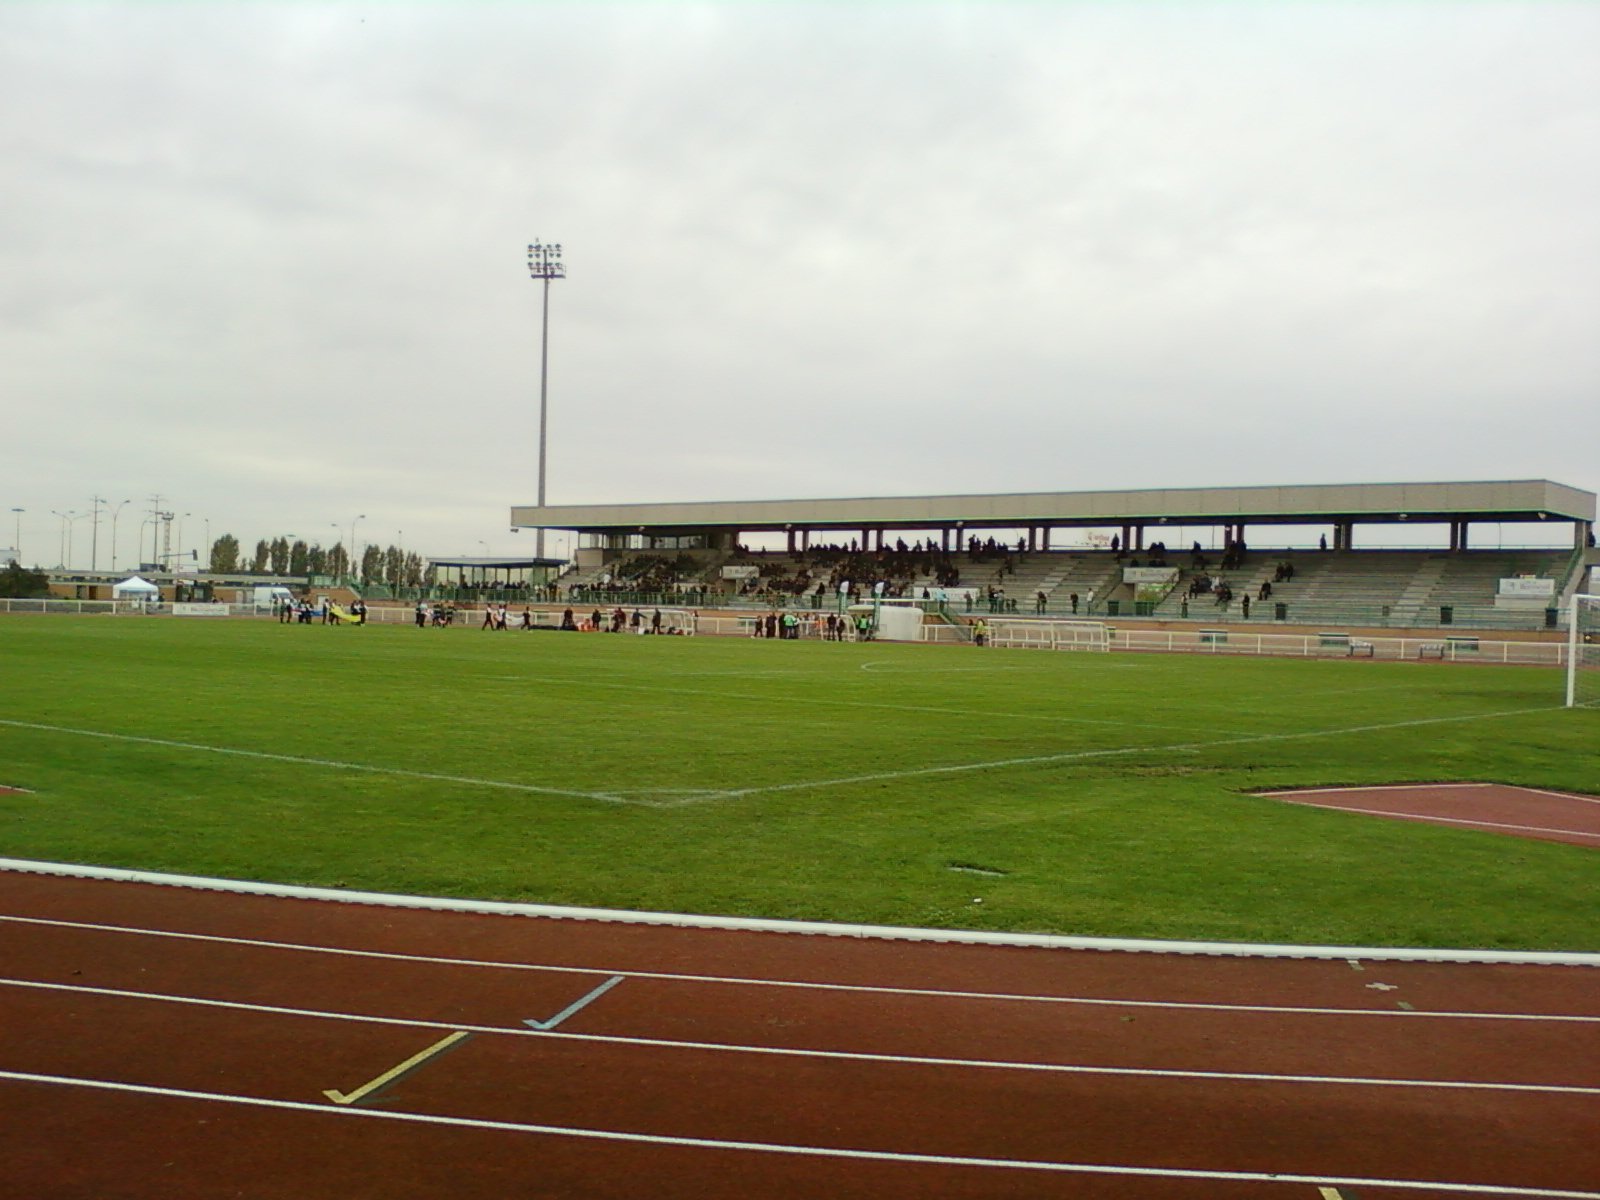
(980,632)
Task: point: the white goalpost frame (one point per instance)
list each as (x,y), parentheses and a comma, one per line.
(1575,643)
(1026,634)
(685,620)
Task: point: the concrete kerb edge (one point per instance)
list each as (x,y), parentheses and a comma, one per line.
(812,928)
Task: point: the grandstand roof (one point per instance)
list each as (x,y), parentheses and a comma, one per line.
(1296,504)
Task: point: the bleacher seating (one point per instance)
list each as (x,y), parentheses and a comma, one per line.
(1346,587)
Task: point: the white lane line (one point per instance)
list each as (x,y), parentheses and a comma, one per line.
(611,1135)
(1546,792)
(1381,787)
(319,762)
(793,1052)
(869,989)
(1378,812)
(1181,748)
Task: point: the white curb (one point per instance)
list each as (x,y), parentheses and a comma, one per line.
(826,929)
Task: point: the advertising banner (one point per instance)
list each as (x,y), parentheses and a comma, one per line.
(1526,585)
(1149,574)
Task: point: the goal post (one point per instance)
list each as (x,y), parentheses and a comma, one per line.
(1049,635)
(1583,651)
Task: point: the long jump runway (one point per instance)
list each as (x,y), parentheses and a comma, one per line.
(175,1043)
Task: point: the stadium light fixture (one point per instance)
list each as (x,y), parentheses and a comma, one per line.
(544,263)
(16,546)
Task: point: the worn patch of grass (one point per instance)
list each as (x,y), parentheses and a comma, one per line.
(1120,810)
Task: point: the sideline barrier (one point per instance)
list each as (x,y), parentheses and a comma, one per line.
(1175,641)
(826,929)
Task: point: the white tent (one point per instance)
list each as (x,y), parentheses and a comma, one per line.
(134,588)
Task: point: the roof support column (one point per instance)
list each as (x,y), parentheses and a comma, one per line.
(1046,538)
(1582,534)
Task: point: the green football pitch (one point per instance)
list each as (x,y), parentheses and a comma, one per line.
(1078,793)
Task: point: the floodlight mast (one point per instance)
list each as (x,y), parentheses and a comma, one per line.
(544,262)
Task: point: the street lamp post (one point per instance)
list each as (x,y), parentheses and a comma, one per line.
(115,513)
(544,263)
(355,559)
(16,546)
(94,537)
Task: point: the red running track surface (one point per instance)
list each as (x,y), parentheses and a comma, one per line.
(1486,807)
(1205,1077)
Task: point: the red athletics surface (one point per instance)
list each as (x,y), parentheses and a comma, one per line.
(61,1140)
(1487,807)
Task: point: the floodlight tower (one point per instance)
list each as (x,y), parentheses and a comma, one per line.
(544,262)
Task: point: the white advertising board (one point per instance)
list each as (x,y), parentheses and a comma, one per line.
(1527,585)
(1149,574)
(741,571)
(199,610)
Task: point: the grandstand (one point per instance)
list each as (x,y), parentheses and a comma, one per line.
(995,554)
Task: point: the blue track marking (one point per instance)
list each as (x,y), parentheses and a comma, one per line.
(581,1002)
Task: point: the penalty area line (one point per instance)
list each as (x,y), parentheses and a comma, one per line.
(328,762)
(659,1139)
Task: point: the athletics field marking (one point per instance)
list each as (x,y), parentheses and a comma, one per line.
(1045,759)
(708,794)
(811,1151)
(461,1030)
(871,989)
(323,762)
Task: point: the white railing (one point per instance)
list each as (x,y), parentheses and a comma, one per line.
(1228,640)
(1450,648)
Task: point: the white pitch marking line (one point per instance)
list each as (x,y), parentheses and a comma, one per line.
(1185,747)
(836,702)
(1376,812)
(318,762)
(461,1030)
(812,1151)
(737,793)
(791,983)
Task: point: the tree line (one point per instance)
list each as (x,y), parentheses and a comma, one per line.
(279,556)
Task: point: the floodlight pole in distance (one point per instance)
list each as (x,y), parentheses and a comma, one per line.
(115,513)
(544,262)
(17,545)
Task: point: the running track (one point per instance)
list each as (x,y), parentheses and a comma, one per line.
(1095,1074)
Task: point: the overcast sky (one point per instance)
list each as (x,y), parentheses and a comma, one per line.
(268,260)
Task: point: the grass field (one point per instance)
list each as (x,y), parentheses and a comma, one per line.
(1095,794)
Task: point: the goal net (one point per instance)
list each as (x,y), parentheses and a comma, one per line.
(1583,651)
(1049,635)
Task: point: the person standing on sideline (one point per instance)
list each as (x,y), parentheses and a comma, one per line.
(980,633)
(422,613)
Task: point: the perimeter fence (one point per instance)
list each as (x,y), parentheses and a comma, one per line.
(812,626)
